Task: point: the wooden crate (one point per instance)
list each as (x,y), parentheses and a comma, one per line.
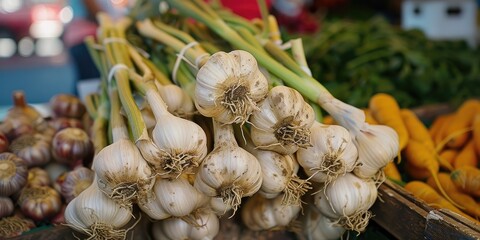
(397,212)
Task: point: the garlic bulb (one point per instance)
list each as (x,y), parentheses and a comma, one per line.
(123,174)
(177,100)
(279,175)
(13,173)
(228,172)
(283,121)
(6,207)
(218,206)
(377,145)
(96,215)
(67,105)
(62,122)
(347,200)
(22,109)
(206,226)
(260,213)
(317,226)
(33,148)
(40,203)
(75,182)
(70,145)
(121,171)
(182,144)
(38,177)
(332,153)
(172,197)
(229,86)
(4,143)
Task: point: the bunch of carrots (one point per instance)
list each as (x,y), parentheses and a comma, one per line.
(439,163)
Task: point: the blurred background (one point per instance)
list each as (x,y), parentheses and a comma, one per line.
(41,50)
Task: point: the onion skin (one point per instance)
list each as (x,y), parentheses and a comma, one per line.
(6,207)
(63,122)
(3,143)
(34,149)
(70,145)
(40,203)
(13,174)
(66,105)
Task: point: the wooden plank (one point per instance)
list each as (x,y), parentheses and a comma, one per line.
(406,217)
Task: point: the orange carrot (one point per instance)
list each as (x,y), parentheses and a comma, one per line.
(416,129)
(369,117)
(419,157)
(466,156)
(391,171)
(462,121)
(437,125)
(467,179)
(448,155)
(416,173)
(476,133)
(328,120)
(467,201)
(385,110)
(445,120)
(423,191)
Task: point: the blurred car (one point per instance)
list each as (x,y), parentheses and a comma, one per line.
(30,27)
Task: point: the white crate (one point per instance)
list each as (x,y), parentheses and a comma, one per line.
(442,19)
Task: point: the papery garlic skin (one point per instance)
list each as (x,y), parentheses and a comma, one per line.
(13,174)
(282,123)
(260,213)
(76,181)
(172,197)
(32,148)
(318,226)
(333,153)
(122,173)
(229,171)
(347,200)
(92,212)
(229,86)
(6,207)
(279,176)
(177,100)
(176,228)
(40,203)
(377,146)
(181,144)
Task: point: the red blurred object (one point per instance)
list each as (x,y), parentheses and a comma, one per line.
(329,3)
(45,12)
(304,22)
(248,8)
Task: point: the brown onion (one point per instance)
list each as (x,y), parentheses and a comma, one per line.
(40,203)
(75,182)
(3,143)
(13,173)
(6,207)
(70,145)
(38,177)
(14,226)
(66,105)
(63,122)
(33,148)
